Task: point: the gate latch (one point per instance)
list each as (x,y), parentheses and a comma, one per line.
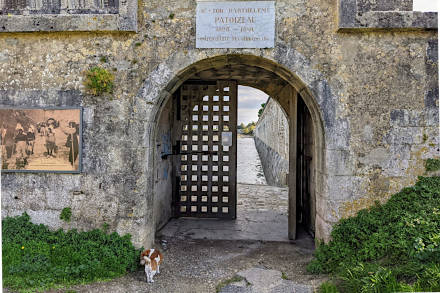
(174,151)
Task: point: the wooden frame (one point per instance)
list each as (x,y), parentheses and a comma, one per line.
(200,190)
(41,139)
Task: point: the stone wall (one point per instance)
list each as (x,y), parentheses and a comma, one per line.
(272,142)
(373,95)
(355,15)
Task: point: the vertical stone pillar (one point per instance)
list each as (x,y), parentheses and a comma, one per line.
(293,125)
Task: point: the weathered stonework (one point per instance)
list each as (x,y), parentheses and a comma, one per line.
(68,15)
(272,141)
(383,14)
(373,98)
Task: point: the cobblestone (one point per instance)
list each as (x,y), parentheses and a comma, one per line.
(254,197)
(261,215)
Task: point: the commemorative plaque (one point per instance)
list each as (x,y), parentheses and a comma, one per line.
(235,24)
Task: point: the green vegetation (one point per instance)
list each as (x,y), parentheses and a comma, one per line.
(261,109)
(432,165)
(284,276)
(66,214)
(328,287)
(105,227)
(224,283)
(249,129)
(387,248)
(36,259)
(98,81)
(138,44)
(103,59)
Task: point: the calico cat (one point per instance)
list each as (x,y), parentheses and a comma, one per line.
(151,258)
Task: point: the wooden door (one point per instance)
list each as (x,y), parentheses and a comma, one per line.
(205,129)
(303,171)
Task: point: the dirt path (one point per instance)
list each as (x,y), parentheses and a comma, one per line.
(200,265)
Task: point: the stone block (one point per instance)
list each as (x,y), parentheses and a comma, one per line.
(347,13)
(95,207)
(340,162)
(383,14)
(343,188)
(384,5)
(338,136)
(376,157)
(327,209)
(404,135)
(323,229)
(432,52)
(432,99)
(15,212)
(395,166)
(141,233)
(57,200)
(432,117)
(425,152)
(7,199)
(143,109)
(407,118)
(49,218)
(22,198)
(123,17)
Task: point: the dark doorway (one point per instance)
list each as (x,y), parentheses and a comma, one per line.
(304,201)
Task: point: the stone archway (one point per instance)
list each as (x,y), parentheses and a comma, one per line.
(309,83)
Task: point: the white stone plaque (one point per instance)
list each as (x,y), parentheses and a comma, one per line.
(235,24)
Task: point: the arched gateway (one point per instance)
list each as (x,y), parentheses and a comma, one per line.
(281,79)
(365,80)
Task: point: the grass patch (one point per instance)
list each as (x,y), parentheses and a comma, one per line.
(432,165)
(66,214)
(37,259)
(328,287)
(98,81)
(284,276)
(225,283)
(390,247)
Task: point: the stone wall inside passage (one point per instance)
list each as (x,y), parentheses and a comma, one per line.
(272,141)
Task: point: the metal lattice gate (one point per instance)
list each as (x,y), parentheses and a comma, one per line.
(206,166)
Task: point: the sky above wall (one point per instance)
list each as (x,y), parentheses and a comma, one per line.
(249,102)
(426,5)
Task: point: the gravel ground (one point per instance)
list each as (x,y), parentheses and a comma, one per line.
(200,265)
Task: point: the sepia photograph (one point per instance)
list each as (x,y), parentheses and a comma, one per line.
(40,140)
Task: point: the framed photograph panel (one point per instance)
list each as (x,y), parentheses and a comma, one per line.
(41,140)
